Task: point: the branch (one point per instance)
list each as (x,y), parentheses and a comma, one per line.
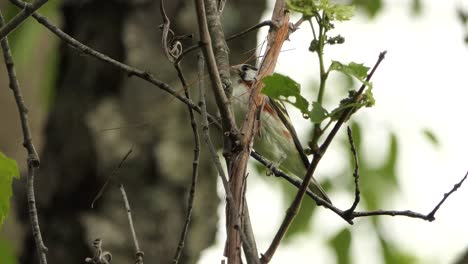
(427,217)
(138,253)
(206,135)
(33,158)
(222,101)
(114,172)
(195,162)
(296,204)
(232,37)
(16,21)
(357,192)
(131,71)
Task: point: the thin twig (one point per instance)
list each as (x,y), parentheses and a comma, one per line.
(357,192)
(114,172)
(232,37)
(131,71)
(16,21)
(297,183)
(195,163)
(33,158)
(408,213)
(138,253)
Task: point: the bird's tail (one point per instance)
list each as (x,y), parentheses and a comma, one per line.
(318,190)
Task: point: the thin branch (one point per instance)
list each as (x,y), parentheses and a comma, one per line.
(114,172)
(16,21)
(33,158)
(297,183)
(232,37)
(138,253)
(408,213)
(250,248)
(195,163)
(446,195)
(131,71)
(357,192)
(206,136)
(349,216)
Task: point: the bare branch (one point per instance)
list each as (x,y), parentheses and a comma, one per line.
(138,253)
(114,172)
(195,163)
(16,21)
(131,71)
(232,37)
(357,192)
(33,157)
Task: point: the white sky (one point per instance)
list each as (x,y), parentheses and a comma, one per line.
(422,83)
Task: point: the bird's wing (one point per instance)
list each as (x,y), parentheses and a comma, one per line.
(283,115)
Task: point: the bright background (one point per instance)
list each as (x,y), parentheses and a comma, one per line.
(422,84)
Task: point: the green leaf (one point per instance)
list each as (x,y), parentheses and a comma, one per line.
(307,8)
(366,100)
(310,8)
(356,70)
(339,12)
(285,89)
(341,243)
(431,137)
(372,7)
(8,171)
(318,113)
(416,7)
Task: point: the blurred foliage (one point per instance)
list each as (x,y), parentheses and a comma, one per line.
(463,17)
(373,7)
(31,39)
(395,255)
(8,171)
(341,243)
(302,222)
(431,137)
(7,254)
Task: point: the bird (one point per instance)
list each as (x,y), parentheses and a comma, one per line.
(275,139)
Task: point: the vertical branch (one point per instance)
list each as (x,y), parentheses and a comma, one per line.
(138,254)
(33,157)
(220,48)
(240,159)
(222,101)
(195,162)
(233,192)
